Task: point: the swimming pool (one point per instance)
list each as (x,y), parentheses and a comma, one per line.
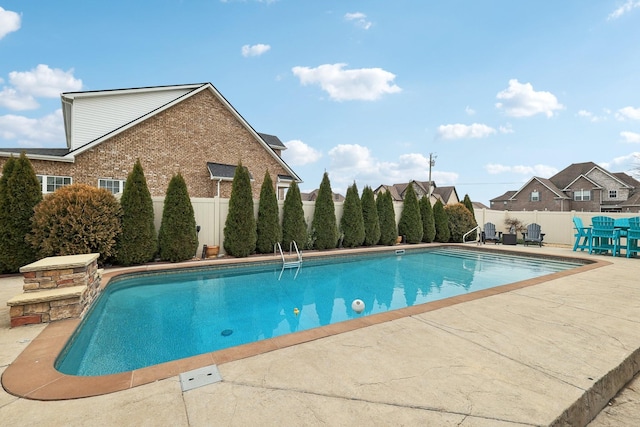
(147,319)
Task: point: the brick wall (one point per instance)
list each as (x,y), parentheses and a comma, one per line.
(181,139)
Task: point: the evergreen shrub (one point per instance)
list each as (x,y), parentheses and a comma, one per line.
(20,192)
(268,224)
(460,221)
(370,217)
(324,225)
(294,226)
(76,219)
(352,222)
(428,222)
(240,227)
(387,216)
(410,225)
(138,242)
(443,234)
(177,238)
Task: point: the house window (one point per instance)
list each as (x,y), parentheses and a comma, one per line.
(613,194)
(582,195)
(282,192)
(114,186)
(49,184)
(535,196)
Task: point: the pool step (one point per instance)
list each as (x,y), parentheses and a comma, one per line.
(200,377)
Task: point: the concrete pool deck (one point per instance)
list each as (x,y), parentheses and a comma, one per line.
(554,352)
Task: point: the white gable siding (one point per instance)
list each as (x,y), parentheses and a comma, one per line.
(93,117)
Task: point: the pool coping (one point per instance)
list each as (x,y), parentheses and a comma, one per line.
(33,376)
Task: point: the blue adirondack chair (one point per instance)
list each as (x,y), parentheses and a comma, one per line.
(533,235)
(583,235)
(490,233)
(604,236)
(633,236)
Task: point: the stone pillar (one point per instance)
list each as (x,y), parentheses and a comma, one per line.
(56,288)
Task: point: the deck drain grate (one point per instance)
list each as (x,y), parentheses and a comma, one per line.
(199,377)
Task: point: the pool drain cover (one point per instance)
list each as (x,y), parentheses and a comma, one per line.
(199,377)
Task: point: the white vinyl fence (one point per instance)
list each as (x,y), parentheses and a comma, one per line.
(211,214)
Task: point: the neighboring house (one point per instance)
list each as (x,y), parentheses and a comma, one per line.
(311,197)
(191,129)
(446,195)
(584,187)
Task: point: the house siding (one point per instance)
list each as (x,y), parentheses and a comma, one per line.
(182,139)
(522,201)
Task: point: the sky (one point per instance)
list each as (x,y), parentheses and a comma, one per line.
(496,91)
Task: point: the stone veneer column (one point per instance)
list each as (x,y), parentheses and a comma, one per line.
(56,288)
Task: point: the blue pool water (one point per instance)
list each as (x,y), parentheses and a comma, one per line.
(148,319)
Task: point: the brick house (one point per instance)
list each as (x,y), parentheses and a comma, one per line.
(447,195)
(191,129)
(584,187)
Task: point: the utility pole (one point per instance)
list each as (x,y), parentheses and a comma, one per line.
(432,163)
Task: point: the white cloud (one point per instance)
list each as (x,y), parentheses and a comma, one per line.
(520,100)
(255,50)
(627,7)
(353,162)
(506,129)
(298,153)
(470,111)
(43,81)
(359,18)
(542,171)
(9,22)
(11,99)
(629,159)
(460,131)
(630,137)
(628,113)
(31,132)
(367,84)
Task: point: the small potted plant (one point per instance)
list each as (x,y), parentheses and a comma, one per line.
(515,226)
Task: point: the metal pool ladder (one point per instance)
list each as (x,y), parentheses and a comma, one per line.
(289,263)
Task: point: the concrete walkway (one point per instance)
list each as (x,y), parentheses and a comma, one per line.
(549,354)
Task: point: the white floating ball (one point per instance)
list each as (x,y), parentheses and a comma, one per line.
(357,305)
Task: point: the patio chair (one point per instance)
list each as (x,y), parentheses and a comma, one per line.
(604,236)
(533,235)
(633,236)
(583,235)
(490,233)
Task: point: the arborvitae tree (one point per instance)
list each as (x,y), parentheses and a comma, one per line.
(177,238)
(352,222)
(294,227)
(370,217)
(240,227)
(428,223)
(138,242)
(387,216)
(21,193)
(460,221)
(268,224)
(410,225)
(443,234)
(324,225)
(469,205)
(5,210)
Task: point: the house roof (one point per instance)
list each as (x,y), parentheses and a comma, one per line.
(505,196)
(627,179)
(567,175)
(36,153)
(546,183)
(273,141)
(220,171)
(92,117)
(312,196)
(445,192)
